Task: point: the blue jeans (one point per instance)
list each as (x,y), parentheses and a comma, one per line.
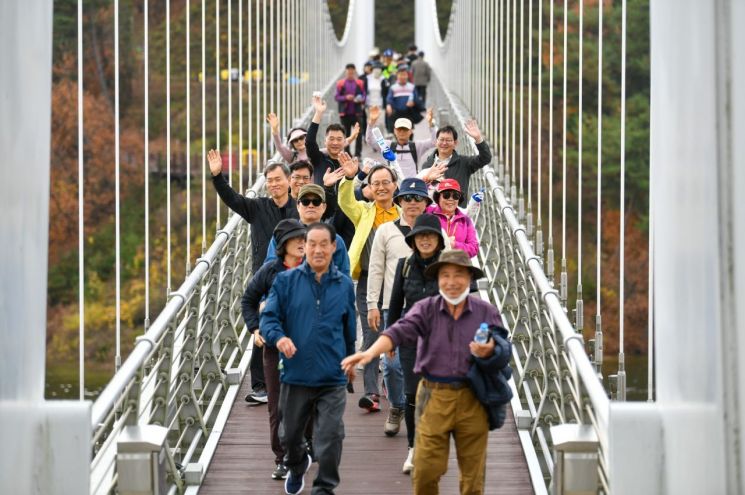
(393,376)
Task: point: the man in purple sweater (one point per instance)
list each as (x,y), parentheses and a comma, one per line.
(350,94)
(443,328)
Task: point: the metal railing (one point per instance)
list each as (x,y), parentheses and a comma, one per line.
(554,380)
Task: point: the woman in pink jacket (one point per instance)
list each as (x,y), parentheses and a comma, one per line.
(455,223)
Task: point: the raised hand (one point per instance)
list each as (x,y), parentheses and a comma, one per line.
(319,105)
(348,164)
(430,117)
(373,114)
(472,129)
(436,172)
(331,177)
(273,122)
(215,161)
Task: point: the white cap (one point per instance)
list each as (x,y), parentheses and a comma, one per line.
(402,122)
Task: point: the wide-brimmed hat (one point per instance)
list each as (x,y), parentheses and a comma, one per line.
(446,185)
(424,223)
(453,257)
(296,134)
(312,189)
(402,123)
(412,185)
(287,229)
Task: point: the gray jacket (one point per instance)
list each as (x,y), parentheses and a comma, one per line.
(421,72)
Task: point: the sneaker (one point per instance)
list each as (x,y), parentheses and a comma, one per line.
(393,421)
(257,398)
(409,462)
(309,449)
(296,482)
(371,402)
(280,472)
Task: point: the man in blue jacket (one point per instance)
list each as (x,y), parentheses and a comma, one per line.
(310,318)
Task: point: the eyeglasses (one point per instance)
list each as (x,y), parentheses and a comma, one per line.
(412,197)
(300,177)
(381,183)
(445,141)
(451,195)
(305,201)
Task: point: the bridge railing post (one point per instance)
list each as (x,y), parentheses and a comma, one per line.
(575,460)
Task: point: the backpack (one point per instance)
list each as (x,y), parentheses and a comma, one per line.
(412,150)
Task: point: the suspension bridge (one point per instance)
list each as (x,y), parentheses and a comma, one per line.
(171,419)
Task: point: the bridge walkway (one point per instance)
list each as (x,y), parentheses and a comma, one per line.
(371,462)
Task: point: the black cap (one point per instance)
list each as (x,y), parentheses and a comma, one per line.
(424,223)
(287,229)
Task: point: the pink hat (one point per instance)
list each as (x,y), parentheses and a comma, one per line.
(296,134)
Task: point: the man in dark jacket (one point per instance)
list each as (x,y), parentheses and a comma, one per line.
(446,163)
(310,318)
(443,328)
(327,171)
(262,213)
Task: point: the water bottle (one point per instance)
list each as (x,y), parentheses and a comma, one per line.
(385,150)
(482,334)
(474,204)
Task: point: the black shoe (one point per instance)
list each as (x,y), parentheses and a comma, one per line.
(371,402)
(280,472)
(309,449)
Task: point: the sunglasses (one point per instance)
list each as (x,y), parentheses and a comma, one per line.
(412,197)
(451,195)
(309,201)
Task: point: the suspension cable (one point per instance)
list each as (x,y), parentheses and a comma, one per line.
(539,137)
(530,118)
(622,223)
(168,147)
(217,100)
(550,253)
(599,224)
(521,207)
(204,138)
(580,307)
(118,357)
(500,89)
(228,211)
(513,190)
(147,162)
(240,96)
(264,83)
(81,212)
(188,137)
(249,89)
(563,275)
(259,88)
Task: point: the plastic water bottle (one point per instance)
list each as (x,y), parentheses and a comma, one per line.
(385,150)
(482,334)
(474,204)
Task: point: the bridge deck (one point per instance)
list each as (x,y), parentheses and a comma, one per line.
(371,462)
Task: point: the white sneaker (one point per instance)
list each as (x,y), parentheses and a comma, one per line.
(409,462)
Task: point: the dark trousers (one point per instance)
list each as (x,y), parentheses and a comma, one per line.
(422,92)
(407,355)
(271,373)
(348,122)
(297,404)
(257,369)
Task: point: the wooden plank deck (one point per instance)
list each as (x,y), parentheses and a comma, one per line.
(371,462)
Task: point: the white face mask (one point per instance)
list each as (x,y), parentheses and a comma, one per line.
(376,72)
(458,299)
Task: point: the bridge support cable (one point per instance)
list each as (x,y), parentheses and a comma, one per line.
(539,139)
(579,305)
(529,211)
(146,147)
(621,386)
(203,81)
(81,212)
(550,250)
(563,278)
(599,345)
(117,227)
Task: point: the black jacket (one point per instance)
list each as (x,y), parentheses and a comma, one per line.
(409,289)
(322,162)
(258,288)
(462,167)
(262,213)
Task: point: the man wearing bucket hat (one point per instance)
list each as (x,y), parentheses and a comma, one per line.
(388,246)
(444,327)
(407,151)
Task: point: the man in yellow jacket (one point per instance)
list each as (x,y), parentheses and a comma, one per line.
(367,217)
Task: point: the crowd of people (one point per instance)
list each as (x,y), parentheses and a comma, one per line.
(386,246)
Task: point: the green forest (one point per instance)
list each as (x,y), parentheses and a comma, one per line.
(394,26)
